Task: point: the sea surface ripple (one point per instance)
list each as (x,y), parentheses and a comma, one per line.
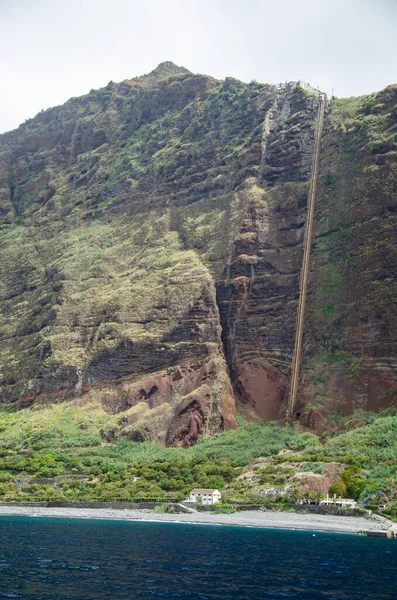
(70,559)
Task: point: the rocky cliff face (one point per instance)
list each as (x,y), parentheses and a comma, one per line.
(151,244)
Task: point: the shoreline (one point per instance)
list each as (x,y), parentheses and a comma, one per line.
(255,519)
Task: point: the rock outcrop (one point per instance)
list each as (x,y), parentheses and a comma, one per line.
(151,244)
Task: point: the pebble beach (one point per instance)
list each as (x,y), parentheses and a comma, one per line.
(275,520)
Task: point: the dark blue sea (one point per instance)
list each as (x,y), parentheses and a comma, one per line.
(65,559)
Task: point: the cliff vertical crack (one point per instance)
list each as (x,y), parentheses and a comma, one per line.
(300,318)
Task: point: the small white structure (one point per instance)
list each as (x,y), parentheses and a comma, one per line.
(392,532)
(339,502)
(207,496)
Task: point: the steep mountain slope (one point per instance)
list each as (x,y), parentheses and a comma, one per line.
(151,244)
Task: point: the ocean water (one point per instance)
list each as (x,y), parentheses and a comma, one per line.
(65,559)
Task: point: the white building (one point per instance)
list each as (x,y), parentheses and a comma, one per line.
(206,496)
(339,502)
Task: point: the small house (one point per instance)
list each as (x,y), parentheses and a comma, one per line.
(205,496)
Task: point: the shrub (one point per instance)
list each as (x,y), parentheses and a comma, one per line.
(219,508)
(315,467)
(338,488)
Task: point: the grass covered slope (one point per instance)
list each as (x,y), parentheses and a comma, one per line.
(57,452)
(73,273)
(117,211)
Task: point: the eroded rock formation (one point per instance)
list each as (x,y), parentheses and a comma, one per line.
(151,245)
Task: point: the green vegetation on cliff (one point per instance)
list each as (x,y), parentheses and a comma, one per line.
(56,452)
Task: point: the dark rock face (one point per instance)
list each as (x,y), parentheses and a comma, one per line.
(352,318)
(151,245)
(258,293)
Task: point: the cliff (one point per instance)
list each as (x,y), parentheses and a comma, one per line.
(151,245)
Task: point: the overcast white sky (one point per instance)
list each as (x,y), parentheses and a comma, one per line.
(51,50)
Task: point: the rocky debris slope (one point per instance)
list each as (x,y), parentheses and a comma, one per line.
(151,244)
